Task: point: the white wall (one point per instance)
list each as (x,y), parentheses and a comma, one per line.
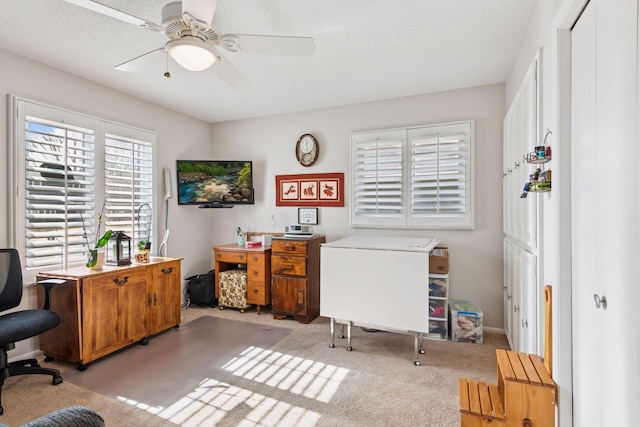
(475,256)
(178,136)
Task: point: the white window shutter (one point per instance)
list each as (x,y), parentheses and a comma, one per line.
(128,186)
(378,175)
(60,188)
(440,174)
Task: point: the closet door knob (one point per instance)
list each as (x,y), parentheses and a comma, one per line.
(601,301)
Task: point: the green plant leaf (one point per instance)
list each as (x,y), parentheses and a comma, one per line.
(104,239)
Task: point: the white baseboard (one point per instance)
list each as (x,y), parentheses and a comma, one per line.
(494,330)
(35,354)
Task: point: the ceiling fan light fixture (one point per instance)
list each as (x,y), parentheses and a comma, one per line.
(191,53)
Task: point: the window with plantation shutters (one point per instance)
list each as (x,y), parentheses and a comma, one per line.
(419,177)
(72,177)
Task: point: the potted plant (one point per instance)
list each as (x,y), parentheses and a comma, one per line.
(144,248)
(96,257)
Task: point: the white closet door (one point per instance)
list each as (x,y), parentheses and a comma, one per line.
(604,216)
(587,325)
(528,303)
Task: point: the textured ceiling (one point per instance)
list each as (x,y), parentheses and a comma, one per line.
(365,50)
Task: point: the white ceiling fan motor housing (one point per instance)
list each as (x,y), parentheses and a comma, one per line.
(176,27)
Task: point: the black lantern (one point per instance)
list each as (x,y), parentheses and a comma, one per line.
(118,249)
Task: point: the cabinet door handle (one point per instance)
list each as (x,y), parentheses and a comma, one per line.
(300,297)
(121,282)
(241,256)
(290,247)
(155,299)
(167,270)
(256,272)
(256,290)
(148,300)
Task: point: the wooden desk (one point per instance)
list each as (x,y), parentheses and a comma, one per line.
(258,263)
(105,310)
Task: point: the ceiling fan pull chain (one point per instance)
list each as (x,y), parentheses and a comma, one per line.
(167,74)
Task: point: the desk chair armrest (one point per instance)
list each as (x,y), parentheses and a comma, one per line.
(48,284)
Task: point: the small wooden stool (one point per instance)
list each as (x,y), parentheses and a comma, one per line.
(525,395)
(480,404)
(527,389)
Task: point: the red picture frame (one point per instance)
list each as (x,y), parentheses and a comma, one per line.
(324,189)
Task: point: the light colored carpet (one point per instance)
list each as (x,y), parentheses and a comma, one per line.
(299,381)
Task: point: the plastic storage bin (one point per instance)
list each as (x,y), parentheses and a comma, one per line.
(466,322)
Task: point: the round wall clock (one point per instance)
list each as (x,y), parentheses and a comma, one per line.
(307,149)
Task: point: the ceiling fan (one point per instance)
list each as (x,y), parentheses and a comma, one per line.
(193,43)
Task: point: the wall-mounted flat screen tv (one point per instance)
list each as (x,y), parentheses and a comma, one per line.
(212,183)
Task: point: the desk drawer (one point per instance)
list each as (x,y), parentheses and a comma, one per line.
(234,257)
(256,293)
(129,275)
(290,247)
(292,265)
(256,260)
(256,273)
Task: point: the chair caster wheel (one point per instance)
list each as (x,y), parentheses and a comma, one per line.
(341,336)
(332,345)
(82,367)
(416,363)
(349,348)
(57,380)
(421,352)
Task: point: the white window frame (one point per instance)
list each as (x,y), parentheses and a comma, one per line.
(20,109)
(399,165)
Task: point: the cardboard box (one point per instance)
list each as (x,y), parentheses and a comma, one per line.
(466,322)
(439,261)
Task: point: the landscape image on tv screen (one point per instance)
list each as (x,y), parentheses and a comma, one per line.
(214,182)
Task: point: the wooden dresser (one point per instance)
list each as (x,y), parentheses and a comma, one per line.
(295,283)
(105,310)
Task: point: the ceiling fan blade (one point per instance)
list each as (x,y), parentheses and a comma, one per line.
(114,13)
(271,45)
(143,61)
(230,74)
(201,10)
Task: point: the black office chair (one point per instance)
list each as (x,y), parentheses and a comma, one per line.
(20,325)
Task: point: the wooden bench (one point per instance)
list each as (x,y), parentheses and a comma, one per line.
(480,404)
